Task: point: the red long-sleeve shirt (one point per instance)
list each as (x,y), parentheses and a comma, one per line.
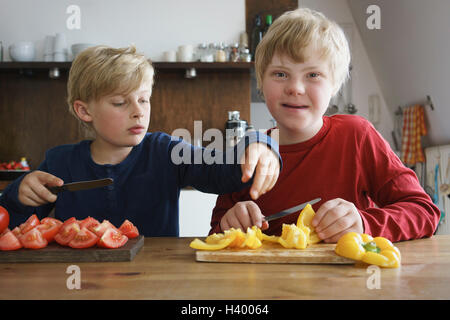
(346,159)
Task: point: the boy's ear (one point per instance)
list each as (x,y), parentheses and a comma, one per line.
(82,110)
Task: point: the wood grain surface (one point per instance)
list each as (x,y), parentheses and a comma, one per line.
(275,253)
(166,268)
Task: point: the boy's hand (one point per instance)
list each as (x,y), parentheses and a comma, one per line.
(335,218)
(243,215)
(33,191)
(258,156)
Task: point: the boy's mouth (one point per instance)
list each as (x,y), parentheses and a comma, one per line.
(137,129)
(293,106)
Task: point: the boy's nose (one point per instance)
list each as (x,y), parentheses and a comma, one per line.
(138,110)
(295,88)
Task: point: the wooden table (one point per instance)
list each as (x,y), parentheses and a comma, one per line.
(165,268)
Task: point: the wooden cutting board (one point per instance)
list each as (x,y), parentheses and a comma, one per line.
(320,253)
(57,253)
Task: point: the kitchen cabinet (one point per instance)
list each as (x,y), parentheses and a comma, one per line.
(34,114)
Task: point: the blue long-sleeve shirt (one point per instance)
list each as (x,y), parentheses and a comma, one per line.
(146,186)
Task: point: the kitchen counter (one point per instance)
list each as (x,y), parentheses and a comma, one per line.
(165,268)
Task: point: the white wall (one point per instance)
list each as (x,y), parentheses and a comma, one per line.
(153,26)
(364,82)
(410,54)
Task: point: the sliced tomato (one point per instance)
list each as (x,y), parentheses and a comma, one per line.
(89,223)
(4,219)
(67,233)
(49,220)
(112,238)
(101,228)
(8,241)
(49,230)
(31,222)
(83,239)
(129,229)
(17,232)
(33,239)
(69,221)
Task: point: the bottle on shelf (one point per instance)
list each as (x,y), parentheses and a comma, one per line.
(257,34)
(268,23)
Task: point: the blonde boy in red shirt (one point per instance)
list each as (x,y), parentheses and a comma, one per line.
(301,63)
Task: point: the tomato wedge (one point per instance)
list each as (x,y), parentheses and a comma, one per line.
(67,233)
(129,229)
(112,238)
(50,220)
(89,223)
(101,228)
(83,239)
(4,219)
(17,232)
(8,241)
(49,230)
(31,222)
(33,239)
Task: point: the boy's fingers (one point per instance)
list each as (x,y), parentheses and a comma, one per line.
(265,225)
(255,214)
(50,180)
(252,157)
(43,193)
(324,208)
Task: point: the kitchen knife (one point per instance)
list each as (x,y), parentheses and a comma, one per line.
(291,210)
(82,185)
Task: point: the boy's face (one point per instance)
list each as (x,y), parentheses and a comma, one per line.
(122,120)
(297,95)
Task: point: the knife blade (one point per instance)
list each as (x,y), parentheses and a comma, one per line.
(82,185)
(290,210)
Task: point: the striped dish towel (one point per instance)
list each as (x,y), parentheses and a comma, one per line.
(413,129)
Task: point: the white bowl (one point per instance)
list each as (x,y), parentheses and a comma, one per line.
(78,47)
(22,51)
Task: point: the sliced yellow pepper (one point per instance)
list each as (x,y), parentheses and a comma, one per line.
(297,236)
(378,251)
(293,237)
(305,220)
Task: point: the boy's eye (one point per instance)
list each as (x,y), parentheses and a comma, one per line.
(313,75)
(279,74)
(118,104)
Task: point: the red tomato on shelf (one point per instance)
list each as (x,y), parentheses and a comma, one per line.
(129,229)
(4,219)
(112,238)
(33,239)
(8,241)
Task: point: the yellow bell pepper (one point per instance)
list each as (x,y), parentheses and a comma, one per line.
(293,237)
(297,236)
(305,220)
(362,247)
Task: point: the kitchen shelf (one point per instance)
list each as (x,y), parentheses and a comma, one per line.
(158,65)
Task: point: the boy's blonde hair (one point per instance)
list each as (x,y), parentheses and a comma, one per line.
(101,70)
(295,33)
